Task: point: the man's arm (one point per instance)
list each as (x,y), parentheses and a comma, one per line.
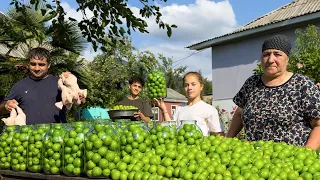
(142,116)
(7,106)
(314,137)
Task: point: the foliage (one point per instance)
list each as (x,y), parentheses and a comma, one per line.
(305,58)
(110,71)
(108,20)
(226,117)
(207,89)
(258,70)
(22,30)
(174,76)
(9,76)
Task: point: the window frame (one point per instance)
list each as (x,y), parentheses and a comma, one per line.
(155,114)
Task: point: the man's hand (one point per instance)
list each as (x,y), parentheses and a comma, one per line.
(11,104)
(66,74)
(140,115)
(82,98)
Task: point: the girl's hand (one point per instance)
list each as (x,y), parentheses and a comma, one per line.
(160,103)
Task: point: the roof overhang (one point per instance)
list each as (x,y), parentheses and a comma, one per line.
(289,23)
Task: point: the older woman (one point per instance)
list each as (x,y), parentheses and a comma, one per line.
(278,105)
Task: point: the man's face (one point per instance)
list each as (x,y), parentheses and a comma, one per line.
(135,88)
(39,67)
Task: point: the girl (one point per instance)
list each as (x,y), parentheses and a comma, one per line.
(206,115)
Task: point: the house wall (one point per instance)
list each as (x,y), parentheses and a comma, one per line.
(169,106)
(233,63)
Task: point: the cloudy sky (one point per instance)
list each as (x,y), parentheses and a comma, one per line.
(197,20)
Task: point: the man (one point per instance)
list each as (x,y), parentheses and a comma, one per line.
(37,93)
(136,85)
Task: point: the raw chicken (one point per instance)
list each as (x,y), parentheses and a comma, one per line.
(11,119)
(70,90)
(17,117)
(21,119)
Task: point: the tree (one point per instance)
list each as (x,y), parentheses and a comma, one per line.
(305,58)
(108,20)
(9,75)
(174,77)
(110,71)
(207,86)
(22,30)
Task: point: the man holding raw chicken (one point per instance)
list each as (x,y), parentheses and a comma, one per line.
(38,93)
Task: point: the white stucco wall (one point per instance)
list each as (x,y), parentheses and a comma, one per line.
(233,63)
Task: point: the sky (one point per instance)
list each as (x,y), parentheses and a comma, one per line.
(197,20)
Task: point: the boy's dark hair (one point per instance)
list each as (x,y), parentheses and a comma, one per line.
(39,53)
(136,79)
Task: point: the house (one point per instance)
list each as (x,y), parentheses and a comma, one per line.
(172,100)
(235,55)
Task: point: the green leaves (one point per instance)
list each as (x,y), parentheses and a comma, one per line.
(43,12)
(169,32)
(109,16)
(72,19)
(305,58)
(110,71)
(258,70)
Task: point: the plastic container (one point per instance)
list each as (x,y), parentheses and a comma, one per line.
(19,147)
(189,132)
(102,146)
(163,134)
(5,144)
(35,147)
(157,87)
(53,148)
(73,159)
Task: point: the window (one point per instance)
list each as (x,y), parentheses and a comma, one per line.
(155,111)
(173,110)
